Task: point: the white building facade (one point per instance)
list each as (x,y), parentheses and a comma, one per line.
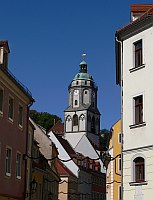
(134,56)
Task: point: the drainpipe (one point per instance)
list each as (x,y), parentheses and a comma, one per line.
(27,129)
(121,43)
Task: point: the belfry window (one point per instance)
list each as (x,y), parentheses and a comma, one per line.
(76,102)
(75,120)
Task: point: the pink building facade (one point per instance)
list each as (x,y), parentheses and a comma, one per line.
(15,101)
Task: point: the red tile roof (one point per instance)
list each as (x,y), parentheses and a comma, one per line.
(63,170)
(138,8)
(58,128)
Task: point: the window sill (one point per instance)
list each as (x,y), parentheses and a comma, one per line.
(18,177)
(20,126)
(10,120)
(1,113)
(136,68)
(138,183)
(8,174)
(137,125)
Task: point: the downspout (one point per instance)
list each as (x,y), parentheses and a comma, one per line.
(121,84)
(27,129)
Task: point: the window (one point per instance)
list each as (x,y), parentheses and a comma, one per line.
(119,138)
(75,120)
(18,165)
(85,82)
(76,102)
(139,169)
(8,161)
(138,53)
(119,193)
(20,116)
(77,82)
(11,108)
(138,109)
(119,164)
(1,100)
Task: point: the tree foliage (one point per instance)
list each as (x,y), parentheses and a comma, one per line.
(44,119)
(104,139)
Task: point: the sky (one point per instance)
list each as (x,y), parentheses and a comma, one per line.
(46,40)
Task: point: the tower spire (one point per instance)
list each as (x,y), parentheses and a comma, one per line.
(83,55)
(83,64)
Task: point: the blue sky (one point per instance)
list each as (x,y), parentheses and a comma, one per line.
(46,40)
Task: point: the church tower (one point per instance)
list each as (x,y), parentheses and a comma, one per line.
(82,116)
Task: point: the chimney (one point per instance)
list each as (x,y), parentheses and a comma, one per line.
(137,10)
(4,51)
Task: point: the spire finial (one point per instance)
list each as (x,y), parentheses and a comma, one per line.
(83,55)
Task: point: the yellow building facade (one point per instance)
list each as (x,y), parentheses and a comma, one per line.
(113,186)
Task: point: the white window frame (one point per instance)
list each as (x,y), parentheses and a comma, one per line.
(143,101)
(18,165)
(11,119)
(134,52)
(133,166)
(8,173)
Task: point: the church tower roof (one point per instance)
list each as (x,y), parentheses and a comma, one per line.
(83,75)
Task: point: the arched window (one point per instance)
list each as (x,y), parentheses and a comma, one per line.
(139,169)
(68,118)
(75,120)
(82,117)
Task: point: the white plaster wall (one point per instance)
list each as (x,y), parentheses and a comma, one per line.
(134,84)
(147,190)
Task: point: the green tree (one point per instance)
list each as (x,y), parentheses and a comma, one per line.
(104,139)
(44,119)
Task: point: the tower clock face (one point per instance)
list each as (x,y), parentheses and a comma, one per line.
(76,91)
